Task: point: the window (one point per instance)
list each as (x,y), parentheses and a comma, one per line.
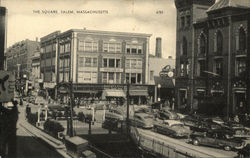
(139,63)
(127,63)
(188,18)
(81,62)
(105,62)
(240,67)
(151,75)
(134,49)
(87,77)
(88,46)
(201,68)
(48,48)
(81,46)
(104,77)
(61,49)
(182,22)
(112,47)
(242,40)
(118,63)
(184,46)
(118,77)
(219,42)
(202,48)
(133,78)
(218,67)
(111,77)
(88,62)
(94,62)
(111,62)
(67,47)
(133,63)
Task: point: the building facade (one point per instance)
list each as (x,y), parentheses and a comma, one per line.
(212,58)
(35,77)
(48,62)
(18,61)
(98,61)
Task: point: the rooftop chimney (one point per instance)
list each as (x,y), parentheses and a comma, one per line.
(158,47)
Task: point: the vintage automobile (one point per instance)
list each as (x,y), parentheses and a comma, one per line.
(115,114)
(244,152)
(172,128)
(238,129)
(166,115)
(217,139)
(142,120)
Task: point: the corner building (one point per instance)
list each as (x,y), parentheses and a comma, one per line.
(213,56)
(100,62)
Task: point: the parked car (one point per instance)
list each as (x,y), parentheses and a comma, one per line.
(238,129)
(217,139)
(115,114)
(244,152)
(142,120)
(167,115)
(172,128)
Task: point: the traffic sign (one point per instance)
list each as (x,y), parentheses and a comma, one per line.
(7,85)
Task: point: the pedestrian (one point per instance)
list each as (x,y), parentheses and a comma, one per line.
(28,110)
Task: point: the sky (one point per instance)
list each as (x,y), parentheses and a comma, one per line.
(28,19)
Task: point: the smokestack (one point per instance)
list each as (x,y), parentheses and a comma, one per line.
(158,48)
(36,39)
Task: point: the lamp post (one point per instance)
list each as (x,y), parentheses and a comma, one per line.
(159,92)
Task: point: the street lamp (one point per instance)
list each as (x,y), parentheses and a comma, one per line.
(159,92)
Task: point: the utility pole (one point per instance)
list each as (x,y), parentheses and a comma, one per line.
(71,134)
(128,100)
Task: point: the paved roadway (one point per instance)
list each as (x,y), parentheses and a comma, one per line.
(182,145)
(28,146)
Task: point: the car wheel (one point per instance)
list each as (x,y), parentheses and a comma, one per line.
(195,142)
(227,148)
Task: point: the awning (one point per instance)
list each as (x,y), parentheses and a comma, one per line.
(138,93)
(165,82)
(113,93)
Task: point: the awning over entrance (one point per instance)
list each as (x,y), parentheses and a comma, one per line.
(165,82)
(138,93)
(113,93)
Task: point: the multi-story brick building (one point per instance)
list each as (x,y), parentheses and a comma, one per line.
(48,62)
(212,55)
(97,62)
(18,58)
(35,77)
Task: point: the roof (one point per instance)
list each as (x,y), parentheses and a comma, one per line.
(229,3)
(99,32)
(165,82)
(172,122)
(77,140)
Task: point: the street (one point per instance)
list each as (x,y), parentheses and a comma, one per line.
(28,145)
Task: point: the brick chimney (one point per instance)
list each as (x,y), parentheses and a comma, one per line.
(158,48)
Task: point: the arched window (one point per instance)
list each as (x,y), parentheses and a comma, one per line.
(219,42)
(202,44)
(184,46)
(242,39)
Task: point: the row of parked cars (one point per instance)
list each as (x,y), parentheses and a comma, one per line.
(201,130)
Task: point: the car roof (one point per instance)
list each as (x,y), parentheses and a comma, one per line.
(172,122)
